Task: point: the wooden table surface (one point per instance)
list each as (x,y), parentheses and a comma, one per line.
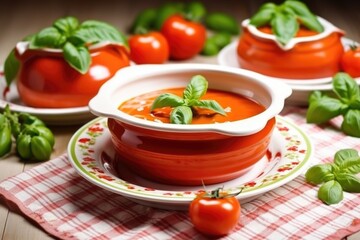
(20,18)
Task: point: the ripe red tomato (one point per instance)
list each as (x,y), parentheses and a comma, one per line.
(215,214)
(350,61)
(186,38)
(151,47)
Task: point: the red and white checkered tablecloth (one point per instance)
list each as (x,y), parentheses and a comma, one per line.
(69,207)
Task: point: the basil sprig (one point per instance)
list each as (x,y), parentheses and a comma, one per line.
(285,19)
(73,38)
(336,177)
(183,107)
(344,101)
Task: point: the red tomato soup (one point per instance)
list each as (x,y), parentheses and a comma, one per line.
(237,107)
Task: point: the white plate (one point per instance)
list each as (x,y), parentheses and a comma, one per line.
(301,88)
(91,153)
(51,116)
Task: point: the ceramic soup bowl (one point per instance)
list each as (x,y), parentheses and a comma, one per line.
(307,56)
(189,154)
(46,80)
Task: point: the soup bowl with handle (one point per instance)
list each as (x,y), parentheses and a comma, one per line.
(189,154)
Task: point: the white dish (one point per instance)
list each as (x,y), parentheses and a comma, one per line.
(51,116)
(91,153)
(301,88)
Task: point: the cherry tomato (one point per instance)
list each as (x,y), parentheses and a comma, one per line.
(186,38)
(350,61)
(215,214)
(150,47)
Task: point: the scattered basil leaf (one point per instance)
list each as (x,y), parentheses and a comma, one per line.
(11,67)
(196,89)
(78,57)
(284,27)
(331,192)
(209,104)
(167,99)
(344,155)
(345,88)
(345,102)
(67,25)
(323,109)
(338,177)
(49,37)
(319,173)
(349,182)
(181,115)
(351,123)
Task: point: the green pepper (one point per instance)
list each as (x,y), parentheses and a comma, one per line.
(35,142)
(5,135)
(40,148)
(167,10)
(221,39)
(222,22)
(195,11)
(144,21)
(25,118)
(210,48)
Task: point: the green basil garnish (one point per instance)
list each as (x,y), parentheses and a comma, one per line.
(183,108)
(73,38)
(344,101)
(336,177)
(285,19)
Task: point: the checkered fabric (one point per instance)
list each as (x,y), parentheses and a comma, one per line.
(68,207)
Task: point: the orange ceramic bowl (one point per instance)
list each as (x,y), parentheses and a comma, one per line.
(304,57)
(193,153)
(46,80)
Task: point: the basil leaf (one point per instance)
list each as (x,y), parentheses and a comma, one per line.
(66,25)
(316,96)
(209,104)
(196,88)
(343,155)
(104,31)
(284,27)
(351,166)
(355,104)
(167,99)
(306,17)
(351,123)
(78,57)
(262,17)
(349,182)
(331,192)
(323,109)
(319,173)
(11,67)
(345,88)
(181,115)
(49,37)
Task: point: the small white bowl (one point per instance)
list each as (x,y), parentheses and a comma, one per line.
(136,80)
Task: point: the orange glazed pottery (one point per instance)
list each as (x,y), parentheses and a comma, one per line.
(309,55)
(189,154)
(46,80)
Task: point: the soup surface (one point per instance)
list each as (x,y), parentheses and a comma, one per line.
(236,107)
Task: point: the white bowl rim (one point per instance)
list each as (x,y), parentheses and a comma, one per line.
(101,105)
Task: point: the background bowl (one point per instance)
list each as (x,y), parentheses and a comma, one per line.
(189,154)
